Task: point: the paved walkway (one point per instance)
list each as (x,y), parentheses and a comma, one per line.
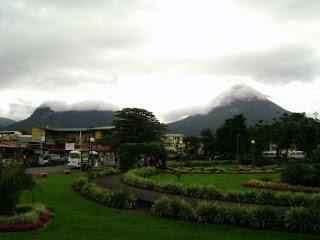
(148,197)
(50,170)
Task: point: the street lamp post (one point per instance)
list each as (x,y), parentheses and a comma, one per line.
(91,141)
(253,142)
(238,135)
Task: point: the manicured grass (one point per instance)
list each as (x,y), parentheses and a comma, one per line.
(224,181)
(77,219)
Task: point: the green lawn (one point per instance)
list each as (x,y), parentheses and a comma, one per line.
(79,219)
(224,181)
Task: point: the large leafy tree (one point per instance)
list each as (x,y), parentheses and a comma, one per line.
(135,125)
(192,146)
(263,134)
(208,140)
(297,130)
(232,132)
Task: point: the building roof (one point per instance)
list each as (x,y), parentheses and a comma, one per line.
(80,129)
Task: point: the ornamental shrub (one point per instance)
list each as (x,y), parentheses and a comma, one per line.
(13,180)
(207,212)
(114,198)
(303,220)
(265,218)
(172,207)
(212,212)
(121,199)
(301,174)
(102,172)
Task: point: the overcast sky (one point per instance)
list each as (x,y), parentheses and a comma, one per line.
(162,55)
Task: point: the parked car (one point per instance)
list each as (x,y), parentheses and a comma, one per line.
(296,154)
(269,154)
(42,161)
(53,159)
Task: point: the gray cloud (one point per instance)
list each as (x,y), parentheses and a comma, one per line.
(20,109)
(45,41)
(61,106)
(279,65)
(285,10)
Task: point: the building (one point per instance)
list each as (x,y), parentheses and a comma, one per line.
(9,136)
(174,143)
(55,139)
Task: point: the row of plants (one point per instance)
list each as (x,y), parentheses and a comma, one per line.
(279,186)
(27,217)
(198,163)
(102,172)
(238,169)
(118,198)
(139,178)
(300,219)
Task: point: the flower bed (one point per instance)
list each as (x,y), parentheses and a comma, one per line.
(279,186)
(241,169)
(139,178)
(29,217)
(303,220)
(199,163)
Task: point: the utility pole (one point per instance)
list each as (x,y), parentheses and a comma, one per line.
(238,135)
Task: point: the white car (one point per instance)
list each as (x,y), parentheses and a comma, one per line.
(42,161)
(296,154)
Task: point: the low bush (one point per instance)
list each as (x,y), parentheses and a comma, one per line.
(172,207)
(114,198)
(303,220)
(211,212)
(102,172)
(265,218)
(197,163)
(13,180)
(121,199)
(301,174)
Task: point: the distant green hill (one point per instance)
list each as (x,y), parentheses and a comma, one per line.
(4,122)
(71,118)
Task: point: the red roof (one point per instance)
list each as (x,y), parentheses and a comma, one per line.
(11,145)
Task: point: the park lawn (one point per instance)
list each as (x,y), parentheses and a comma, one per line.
(223,181)
(77,219)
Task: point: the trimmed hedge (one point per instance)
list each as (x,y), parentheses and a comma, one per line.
(28,217)
(210,212)
(279,186)
(120,199)
(303,220)
(301,174)
(139,178)
(198,163)
(102,172)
